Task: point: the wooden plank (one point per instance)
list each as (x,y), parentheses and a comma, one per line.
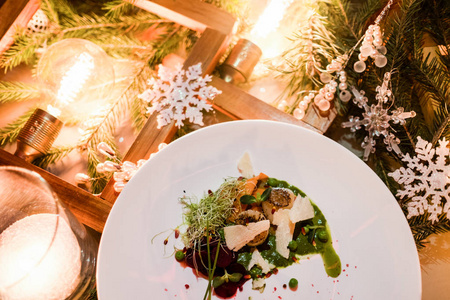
(90,210)
(193,14)
(320,121)
(14,13)
(208,50)
(245,106)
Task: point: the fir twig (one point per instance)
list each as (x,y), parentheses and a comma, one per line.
(117,8)
(18,91)
(9,133)
(54,155)
(138,107)
(22,51)
(99,180)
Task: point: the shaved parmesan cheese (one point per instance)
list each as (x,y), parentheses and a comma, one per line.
(245,166)
(257,259)
(301,210)
(280,216)
(237,236)
(284,232)
(259,284)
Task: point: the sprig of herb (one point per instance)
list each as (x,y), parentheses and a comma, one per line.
(219,280)
(212,269)
(249,199)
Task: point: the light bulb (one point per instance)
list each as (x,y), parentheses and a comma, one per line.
(77,76)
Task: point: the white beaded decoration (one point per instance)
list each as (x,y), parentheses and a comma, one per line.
(324,105)
(331,86)
(345,96)
(359,66)
(299,113)
(122,171)
(380,61)
(38,23)
(325,77)
(282,105)
(372,44)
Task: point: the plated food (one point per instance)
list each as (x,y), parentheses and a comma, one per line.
(249,228)
(368,229)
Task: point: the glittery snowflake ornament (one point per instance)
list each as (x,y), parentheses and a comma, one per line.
(179,95)
(426,180)
(376,118)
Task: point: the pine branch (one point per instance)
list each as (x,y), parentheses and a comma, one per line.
(343,9)
(58,10)
(66,23)
(99,180)
(138,114)
(17,91)
(433,81)
(138,108)
(95,25)
(422,228)
(22,51)
(50,10)
(313,46)
(101,129)
(9,133)
(401,37)
(117,8)
(385,163)
(54,155)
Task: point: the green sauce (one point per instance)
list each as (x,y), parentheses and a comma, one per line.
(316,241)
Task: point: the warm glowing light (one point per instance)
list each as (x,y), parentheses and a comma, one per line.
(271,17)
(265,30)
(54,111)
(75,78)
(37,262)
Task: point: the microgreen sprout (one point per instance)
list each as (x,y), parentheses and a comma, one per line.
(210,212)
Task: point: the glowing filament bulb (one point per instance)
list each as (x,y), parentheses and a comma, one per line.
(54,111)
(75,78)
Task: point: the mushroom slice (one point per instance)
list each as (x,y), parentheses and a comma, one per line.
(279,198)
(251,216)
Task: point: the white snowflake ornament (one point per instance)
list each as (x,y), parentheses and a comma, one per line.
(179,95)
(376,119)
(426,180)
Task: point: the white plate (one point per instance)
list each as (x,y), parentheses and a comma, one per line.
(370,233)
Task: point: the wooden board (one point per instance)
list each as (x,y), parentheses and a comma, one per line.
(194,14)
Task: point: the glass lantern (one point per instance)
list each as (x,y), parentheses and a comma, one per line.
(45,253)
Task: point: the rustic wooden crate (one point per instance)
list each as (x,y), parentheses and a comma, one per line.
(216,27)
